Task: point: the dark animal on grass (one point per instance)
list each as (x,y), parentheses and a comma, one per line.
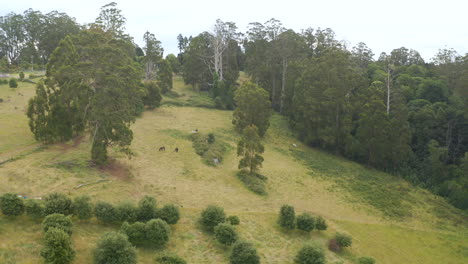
(162,148)
(176,150)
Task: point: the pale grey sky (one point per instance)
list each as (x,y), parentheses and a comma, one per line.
(423,25)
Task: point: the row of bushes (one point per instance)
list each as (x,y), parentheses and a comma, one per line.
(83,209)
(57,243)
(208,148)
(305,221)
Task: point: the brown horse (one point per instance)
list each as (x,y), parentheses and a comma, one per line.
(162,148)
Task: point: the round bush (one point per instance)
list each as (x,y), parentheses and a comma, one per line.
(305,222)
(225,234)
(58,221)
(58,248)
(366,260)
(105,212)
(34,209)
(135,232)
(157,233)
(147,209)
(287,217)
(343,240)
(13,83)
(114,248)
(212,216)
(11,204)
(244,253)
(233,219)
(126,212)
(169,213)
(310,254)
(21,76)
(170,259)
(82,207)
(320,223)
(57,203)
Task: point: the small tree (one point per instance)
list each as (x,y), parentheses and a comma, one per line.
(343,240)
(233,219)
(305,222)
(82,207)
(164,76)
(157,232)
(287,217)
(58,248)
(57,203)
(320,223)
(114,248)
(21,76)
(250,148)
(310,254)
(58,221)
(13,83)
(147,209)
(11,205)
(34,209)
(170,259)
(225,234)
(152,97)
(105,212)
(169,213)
(244,253)
(126,212)
(366,260)
(136,232)
(212,216)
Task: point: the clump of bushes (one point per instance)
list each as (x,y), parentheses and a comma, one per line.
(82,207)
(244,253)
(114,247)
(58,203)
(21,76)
(155,233)
(233,220)
(58,221)
(126,212)
(287,217)
(58,247)
(305,222)
(254,182)
(3,81)
(169,213)
(340,241)
(310,254)
(11,204)
(147,209)
(211,217)
(225,234)
(34,209)
(13,83)
(366,260)
(170,259)
(320,223)
(208,147)
(105,212)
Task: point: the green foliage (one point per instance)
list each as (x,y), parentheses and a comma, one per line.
(147,209)
(244,253)
(254,182)
(58,203)
(153,97)
(105,212)
(320,224)
(225,234)
(169,213)
(250,148)
(34,209)
(287,217)
(212,216)
(126,212)
(11,204)
(211,138)
(13,83)
(208,151)
(157,233)
(305,222)
(114,248)
(233,220)
(170,259)
(58,221)
(174,63)
(164,76)
(310,254)
(58,247)
(366,260)
(153,55)
(21,76)
(253,108)
(135,232)
(82,207)
(343,240)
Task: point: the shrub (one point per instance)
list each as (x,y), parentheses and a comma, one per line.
(105,212)
(333,245)
(114,248)
(157,232)
(58,248)
(82,207)
(11,204)
(233,219)
(34,209)
(146,209)
(21,76)
(343,240)
(126,212)
(211,138)
(225,234)
(58,221)
(57,203)
(254,182)
(170,259)
(320,223)
(169,213)
(212,216)
(366,260)
(310,254)
(244,253)
(136,232)
(305,222)
(13,83)
(287,217)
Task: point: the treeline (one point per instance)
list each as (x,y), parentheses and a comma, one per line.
(398,113)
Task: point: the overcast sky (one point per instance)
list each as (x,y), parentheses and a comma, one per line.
(423,25)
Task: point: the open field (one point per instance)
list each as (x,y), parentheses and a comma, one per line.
(388,219)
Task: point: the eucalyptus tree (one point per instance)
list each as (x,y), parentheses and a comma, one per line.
(12,36)
(153,55)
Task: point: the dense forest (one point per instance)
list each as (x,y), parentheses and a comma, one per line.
(399,113)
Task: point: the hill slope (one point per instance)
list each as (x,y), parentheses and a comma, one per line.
(387,218)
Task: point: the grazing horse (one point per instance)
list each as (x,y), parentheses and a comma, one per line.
(162,148)
(176,150)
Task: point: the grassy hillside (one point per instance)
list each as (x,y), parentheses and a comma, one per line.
(388,219)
